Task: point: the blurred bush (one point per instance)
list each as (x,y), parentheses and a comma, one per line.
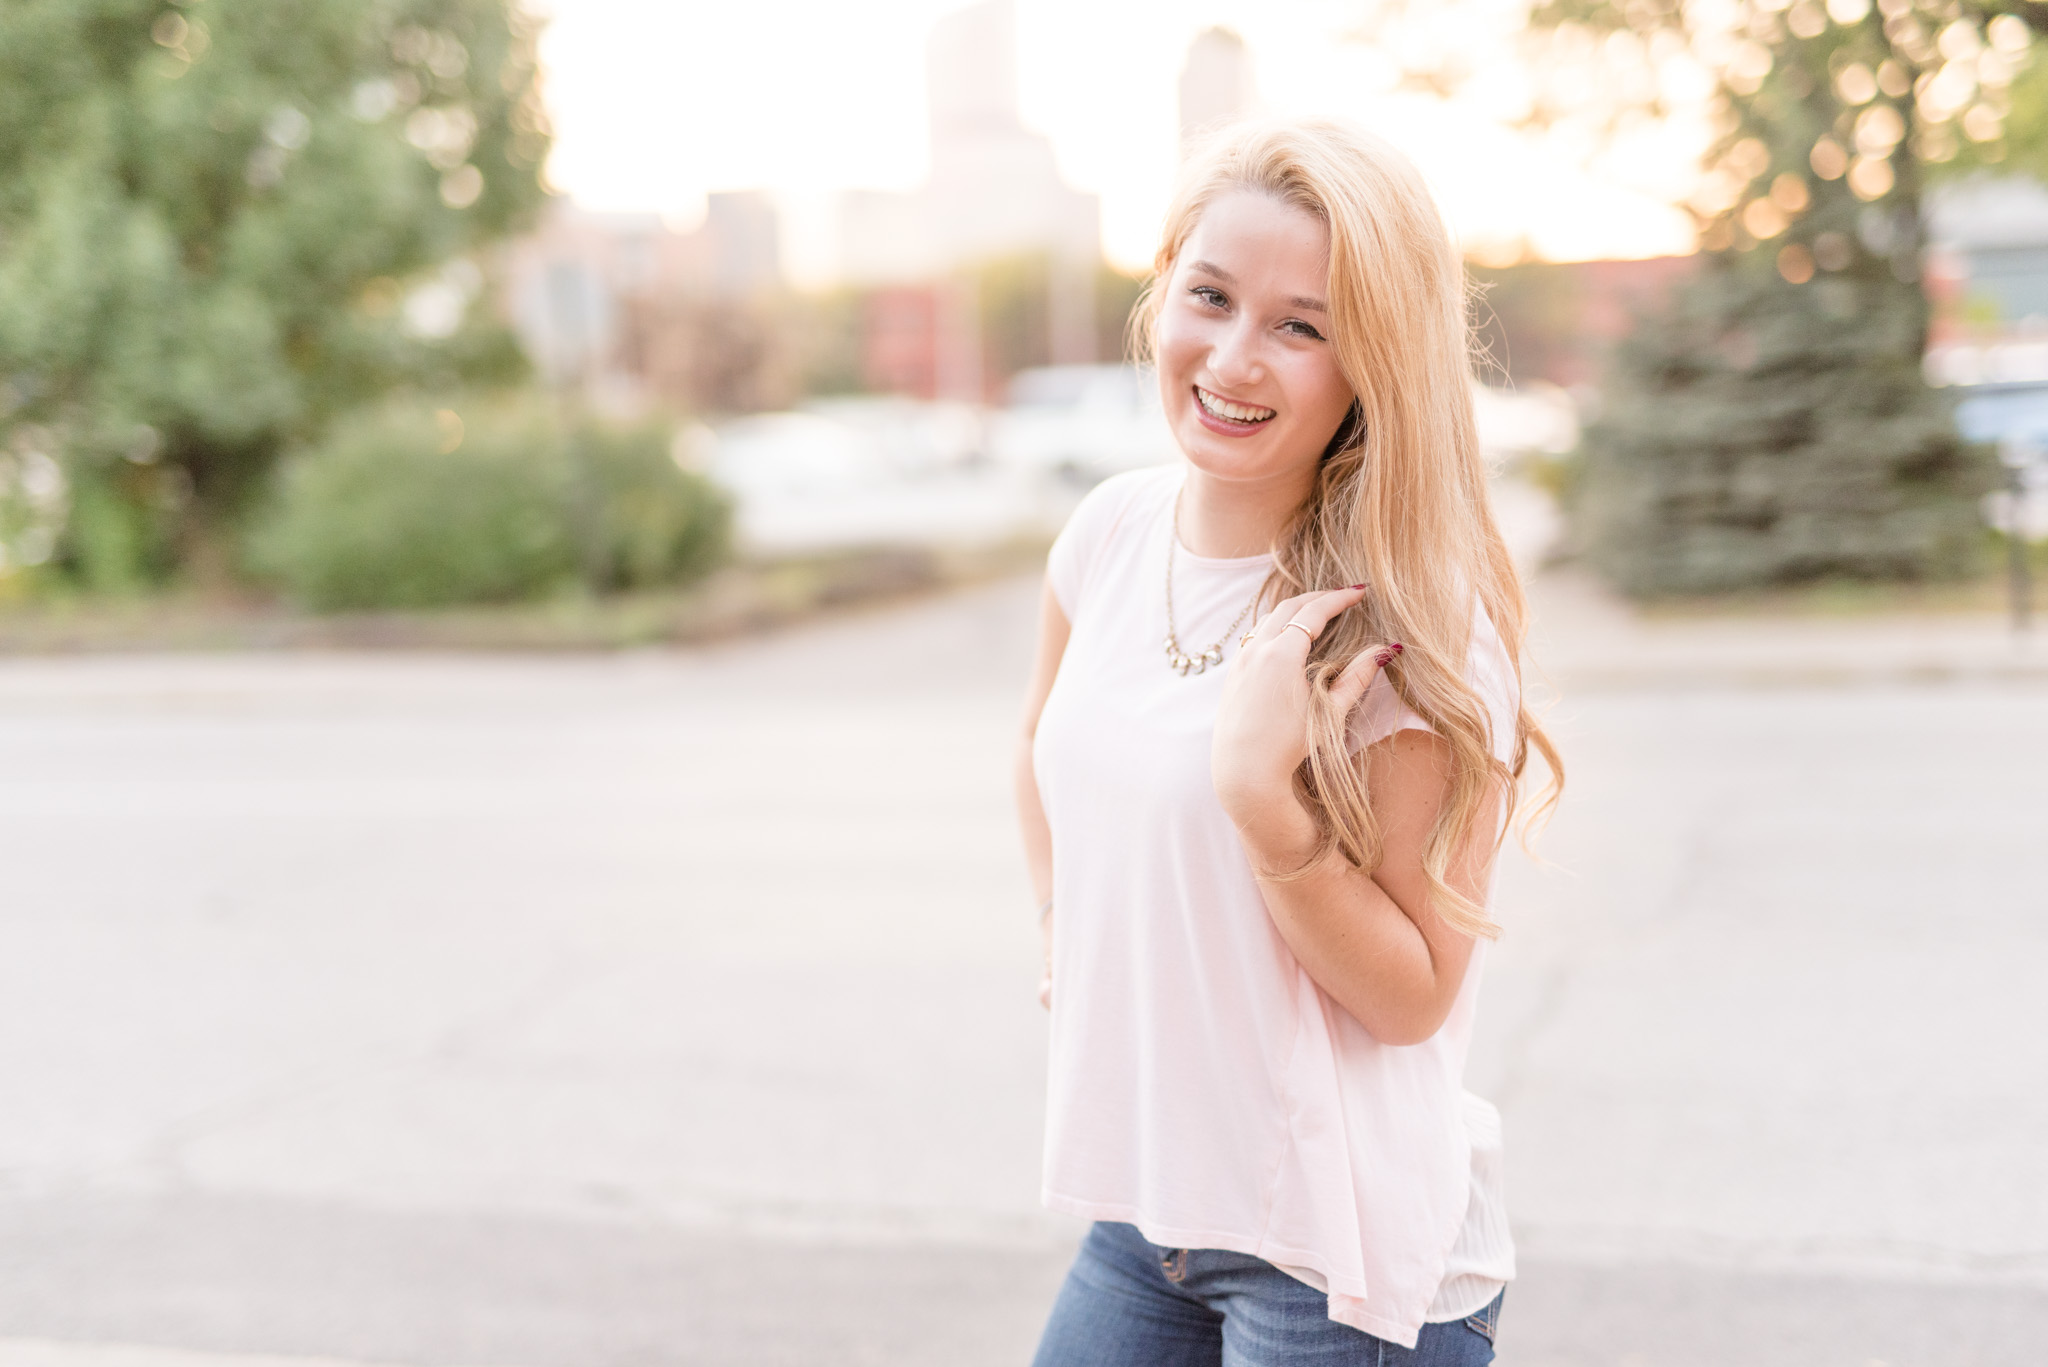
(411,506)
(639,520)
(1761,432)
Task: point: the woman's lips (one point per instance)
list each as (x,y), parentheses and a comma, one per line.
(1219,414)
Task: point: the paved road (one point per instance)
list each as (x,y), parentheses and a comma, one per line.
(677,1008)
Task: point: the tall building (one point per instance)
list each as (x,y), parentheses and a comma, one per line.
(738,248)
(994,190)
(1216,85)
(994,187)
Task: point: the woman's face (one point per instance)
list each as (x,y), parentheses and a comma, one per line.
(1251,385)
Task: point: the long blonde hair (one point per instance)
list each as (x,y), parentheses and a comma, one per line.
(1400,501)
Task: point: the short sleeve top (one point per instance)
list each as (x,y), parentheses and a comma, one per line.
(1202,1087)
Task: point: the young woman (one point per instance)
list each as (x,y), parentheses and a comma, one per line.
(1274,736)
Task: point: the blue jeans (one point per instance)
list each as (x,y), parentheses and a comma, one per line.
(1131,1303)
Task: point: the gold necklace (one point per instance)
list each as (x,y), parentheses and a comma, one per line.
(1177,659)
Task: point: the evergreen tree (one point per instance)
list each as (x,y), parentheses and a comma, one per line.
(212,213)
(1772,424)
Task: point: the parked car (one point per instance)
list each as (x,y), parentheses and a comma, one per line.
(1082,421)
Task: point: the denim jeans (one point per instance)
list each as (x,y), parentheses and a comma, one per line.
(1130,1303)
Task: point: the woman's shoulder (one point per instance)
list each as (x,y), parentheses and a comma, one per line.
(1106,507)
(1113,508)
(1490,673)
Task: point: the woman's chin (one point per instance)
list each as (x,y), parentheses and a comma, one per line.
(1252,457)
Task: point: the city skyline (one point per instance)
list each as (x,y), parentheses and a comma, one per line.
(822,100)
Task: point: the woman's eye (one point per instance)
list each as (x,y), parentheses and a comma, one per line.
(1209,295)
(1301,329)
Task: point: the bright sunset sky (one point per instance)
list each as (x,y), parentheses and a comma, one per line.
(656,102)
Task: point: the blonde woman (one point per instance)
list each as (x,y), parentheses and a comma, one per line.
(1274,735)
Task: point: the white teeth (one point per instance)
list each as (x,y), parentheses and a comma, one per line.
(1231,412)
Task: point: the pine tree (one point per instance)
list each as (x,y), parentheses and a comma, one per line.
(1772,423)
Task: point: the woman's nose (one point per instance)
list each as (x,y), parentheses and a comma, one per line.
(1234,358)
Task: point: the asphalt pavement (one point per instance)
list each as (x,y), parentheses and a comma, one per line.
(678,1007)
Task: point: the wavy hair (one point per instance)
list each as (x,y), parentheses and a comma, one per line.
(1400,501)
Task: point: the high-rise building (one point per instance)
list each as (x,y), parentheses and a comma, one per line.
(994,189)
(1216,85)
(739,245)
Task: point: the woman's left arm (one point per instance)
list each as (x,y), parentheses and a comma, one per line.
(1369,940)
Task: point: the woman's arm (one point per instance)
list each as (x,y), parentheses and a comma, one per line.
(1052,646)
(1370,941)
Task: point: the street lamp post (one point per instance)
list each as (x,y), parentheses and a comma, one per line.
(2015,415)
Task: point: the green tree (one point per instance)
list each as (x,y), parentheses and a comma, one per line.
(214,215)
(1773,423)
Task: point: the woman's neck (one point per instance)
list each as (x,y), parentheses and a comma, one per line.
(1228,519)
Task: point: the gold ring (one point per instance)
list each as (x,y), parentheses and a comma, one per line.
(1302,629)
(1246,639)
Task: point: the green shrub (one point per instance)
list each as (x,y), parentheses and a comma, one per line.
(411,507)
(640,521)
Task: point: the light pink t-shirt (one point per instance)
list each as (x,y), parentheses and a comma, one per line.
(1202,1086)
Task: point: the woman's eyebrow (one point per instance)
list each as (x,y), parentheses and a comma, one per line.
(1299,301)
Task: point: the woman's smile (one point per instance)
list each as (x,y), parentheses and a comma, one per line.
(1219,414)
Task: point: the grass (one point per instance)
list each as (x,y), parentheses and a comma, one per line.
(1845,598)
(741,599)
(1989,592)
(766,594)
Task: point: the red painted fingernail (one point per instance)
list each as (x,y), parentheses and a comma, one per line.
(1358,586)
(1397,647)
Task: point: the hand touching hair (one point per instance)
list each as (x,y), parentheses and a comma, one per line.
(1399,502)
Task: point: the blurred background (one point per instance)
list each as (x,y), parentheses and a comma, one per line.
(519,536)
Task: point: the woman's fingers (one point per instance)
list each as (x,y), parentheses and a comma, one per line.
(1275,622)
(1310,611)
(1350,684)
